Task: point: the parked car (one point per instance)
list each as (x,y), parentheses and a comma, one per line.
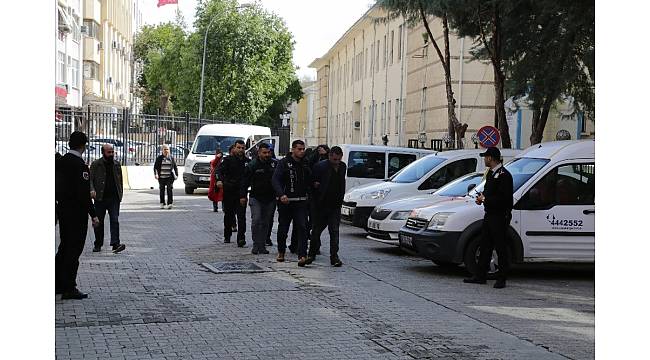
(421,177)
(387,219)
(552,217)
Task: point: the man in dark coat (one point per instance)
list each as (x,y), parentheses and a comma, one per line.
(229,178)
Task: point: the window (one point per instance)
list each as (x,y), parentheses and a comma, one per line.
(418,169)
(388,112)
(392,44)
(91,70)
(397,104)
(60,68)
(74,73)
(459,186)
(385,52)
(377,56)
(207,144)
(399,43)
(92,29)
(448,173)
(397,162)
(366,164)
(571,184)
(76,29)
(383,118)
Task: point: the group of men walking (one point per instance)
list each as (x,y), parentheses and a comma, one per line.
(307,193)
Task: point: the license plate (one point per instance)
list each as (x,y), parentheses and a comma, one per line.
(406,240)
(373,225)
(204,178)
(346,211)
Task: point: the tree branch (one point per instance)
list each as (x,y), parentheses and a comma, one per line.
(433,41)
(483,38)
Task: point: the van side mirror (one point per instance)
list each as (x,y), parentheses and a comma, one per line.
(470,187)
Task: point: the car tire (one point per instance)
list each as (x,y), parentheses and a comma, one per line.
(470,258)
(189,190)
(445,264)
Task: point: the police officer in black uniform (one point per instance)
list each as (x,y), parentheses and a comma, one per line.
(72,192)
(229,176)
(291,182)
(497,202)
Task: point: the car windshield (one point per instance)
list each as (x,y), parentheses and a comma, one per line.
(416,170)
(521,170)
(207,144)
(458,187)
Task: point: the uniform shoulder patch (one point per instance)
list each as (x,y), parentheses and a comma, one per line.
(85,175)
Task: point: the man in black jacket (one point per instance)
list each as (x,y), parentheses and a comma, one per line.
(497,202)
(72,191)
(257,176)
(291,181)
(229,178)
(329,188)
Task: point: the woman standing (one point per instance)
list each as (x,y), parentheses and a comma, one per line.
(214,193)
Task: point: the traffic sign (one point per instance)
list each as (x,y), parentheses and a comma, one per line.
(488,136)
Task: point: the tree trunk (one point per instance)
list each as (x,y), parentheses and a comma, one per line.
(539,121)
(499,81)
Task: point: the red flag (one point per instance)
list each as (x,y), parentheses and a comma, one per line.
(167,2)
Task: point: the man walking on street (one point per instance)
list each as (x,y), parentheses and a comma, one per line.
(106,188)
(166,172)
(291,181)
(329,188)
(229,178)
(258,175)
(497,202)
(72,192)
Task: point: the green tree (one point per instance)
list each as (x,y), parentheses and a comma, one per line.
(415,11)
(271,116)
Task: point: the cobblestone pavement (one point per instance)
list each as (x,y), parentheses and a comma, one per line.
(155,300)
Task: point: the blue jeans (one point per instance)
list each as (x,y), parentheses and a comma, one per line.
(261,221)
(113,207)
(296,212)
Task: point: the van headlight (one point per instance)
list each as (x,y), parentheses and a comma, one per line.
(188,165)
(400,215)
(379,194)
(438,220)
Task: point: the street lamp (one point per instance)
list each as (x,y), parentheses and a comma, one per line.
(205,43)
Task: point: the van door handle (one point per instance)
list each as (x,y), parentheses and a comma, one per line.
(587,212)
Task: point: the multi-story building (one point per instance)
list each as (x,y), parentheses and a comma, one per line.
(68,86)
(136,67)
(108,37)
(301,115)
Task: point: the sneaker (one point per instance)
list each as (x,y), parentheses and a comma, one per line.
(169,207)
(118,248)
(162,206)
(280,257)
(97,249)
(302,261)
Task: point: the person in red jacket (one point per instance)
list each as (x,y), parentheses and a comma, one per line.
(214,193)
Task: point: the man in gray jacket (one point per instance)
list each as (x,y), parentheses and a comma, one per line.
(106,189)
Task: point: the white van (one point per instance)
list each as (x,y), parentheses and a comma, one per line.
(372,163)
(423,176)
(209,137)
(552,217)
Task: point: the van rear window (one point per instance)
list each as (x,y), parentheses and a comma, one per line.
(366,164)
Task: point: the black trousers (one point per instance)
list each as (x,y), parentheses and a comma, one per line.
(330,219)
(295,212)
(232,209)
(73,227)
(493,237)
(166,183)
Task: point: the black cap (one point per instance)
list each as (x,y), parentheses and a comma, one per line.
(492,152)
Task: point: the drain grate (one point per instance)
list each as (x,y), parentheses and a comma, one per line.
(234,267)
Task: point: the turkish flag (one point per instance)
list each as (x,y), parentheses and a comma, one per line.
(166,2)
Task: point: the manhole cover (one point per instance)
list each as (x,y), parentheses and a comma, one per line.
(234,267)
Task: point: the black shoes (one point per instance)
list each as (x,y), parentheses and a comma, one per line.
(310,259)
(257,252)
(500,284)
(118,248)
(474,280)
(241,243)
(336,262)
(97,249)
(269,242)
(73,295)
(226,240)
(302,261)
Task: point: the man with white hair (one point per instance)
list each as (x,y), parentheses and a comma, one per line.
(166,172)
(106,188)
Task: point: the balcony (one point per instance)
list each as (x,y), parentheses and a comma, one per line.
(92,87)
(93,10)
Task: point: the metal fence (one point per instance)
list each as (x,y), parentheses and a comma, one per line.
(137,138)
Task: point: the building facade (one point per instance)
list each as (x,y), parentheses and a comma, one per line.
(107,67)
(301,120)
(68,86)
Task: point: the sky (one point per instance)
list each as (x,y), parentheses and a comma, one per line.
(315,24)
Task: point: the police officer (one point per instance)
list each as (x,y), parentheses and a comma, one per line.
(258,176)
(497,202)
(229,178)
(72,190)
(291,181)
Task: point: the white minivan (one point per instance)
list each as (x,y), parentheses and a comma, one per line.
(209,137)
(423,176)
(552,217)
(373,163)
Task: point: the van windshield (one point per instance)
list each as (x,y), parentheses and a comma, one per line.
(207,144)
(416,170)
(458,187)
(521,170)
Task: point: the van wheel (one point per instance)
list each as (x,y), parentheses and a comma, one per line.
(445,264)
(189,190)
(470,258)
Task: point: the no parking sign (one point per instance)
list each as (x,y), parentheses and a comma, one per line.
(488,136)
